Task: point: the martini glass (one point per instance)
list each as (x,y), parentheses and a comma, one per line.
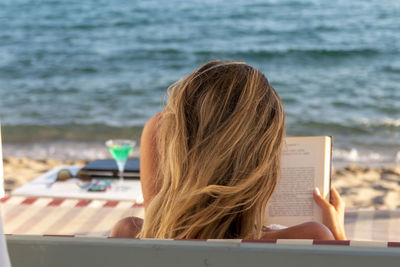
(120,149)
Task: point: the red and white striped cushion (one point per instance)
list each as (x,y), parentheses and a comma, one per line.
(39,216)
(84,217)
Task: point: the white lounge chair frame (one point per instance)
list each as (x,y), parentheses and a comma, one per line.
(46,251)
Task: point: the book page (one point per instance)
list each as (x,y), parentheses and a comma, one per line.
(292,196)
(303,168)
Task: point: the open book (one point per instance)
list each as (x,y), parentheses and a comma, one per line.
(306,164)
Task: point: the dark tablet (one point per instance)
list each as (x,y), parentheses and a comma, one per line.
(108,168)
(132,165)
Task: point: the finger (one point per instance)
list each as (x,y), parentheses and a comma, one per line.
(336,200)
(319,199)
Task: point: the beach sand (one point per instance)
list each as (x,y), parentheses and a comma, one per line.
(368,187)
(360,187)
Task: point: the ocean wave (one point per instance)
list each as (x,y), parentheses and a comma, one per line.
(385,122)
(289,52)
(25,134)
(385,128)
(78,150)
(391,69)
(281,3)
(351,156)
(354,156)
(300,127)
(60,150)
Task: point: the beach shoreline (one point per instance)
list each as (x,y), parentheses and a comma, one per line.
(360,186)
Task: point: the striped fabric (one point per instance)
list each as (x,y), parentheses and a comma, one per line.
(58,216)
(83,217)
(369,224)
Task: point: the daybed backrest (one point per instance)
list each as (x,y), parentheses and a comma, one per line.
(83,251)
(4,260)
(1,167)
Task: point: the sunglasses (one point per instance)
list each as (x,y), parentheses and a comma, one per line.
(65,174)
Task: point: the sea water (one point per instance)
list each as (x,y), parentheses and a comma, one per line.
(75,73)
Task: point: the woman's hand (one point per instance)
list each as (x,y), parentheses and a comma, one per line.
(332,213)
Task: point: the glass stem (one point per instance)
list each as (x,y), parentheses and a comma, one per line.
(121,177)
(121,166)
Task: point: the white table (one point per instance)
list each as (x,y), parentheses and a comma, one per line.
(44,186)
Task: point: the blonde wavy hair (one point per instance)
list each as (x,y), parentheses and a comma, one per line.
(219,141)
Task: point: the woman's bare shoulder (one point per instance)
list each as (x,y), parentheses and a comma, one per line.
(308,230)
(152,123)
(128,227)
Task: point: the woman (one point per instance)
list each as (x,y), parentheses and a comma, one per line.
(210,161)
